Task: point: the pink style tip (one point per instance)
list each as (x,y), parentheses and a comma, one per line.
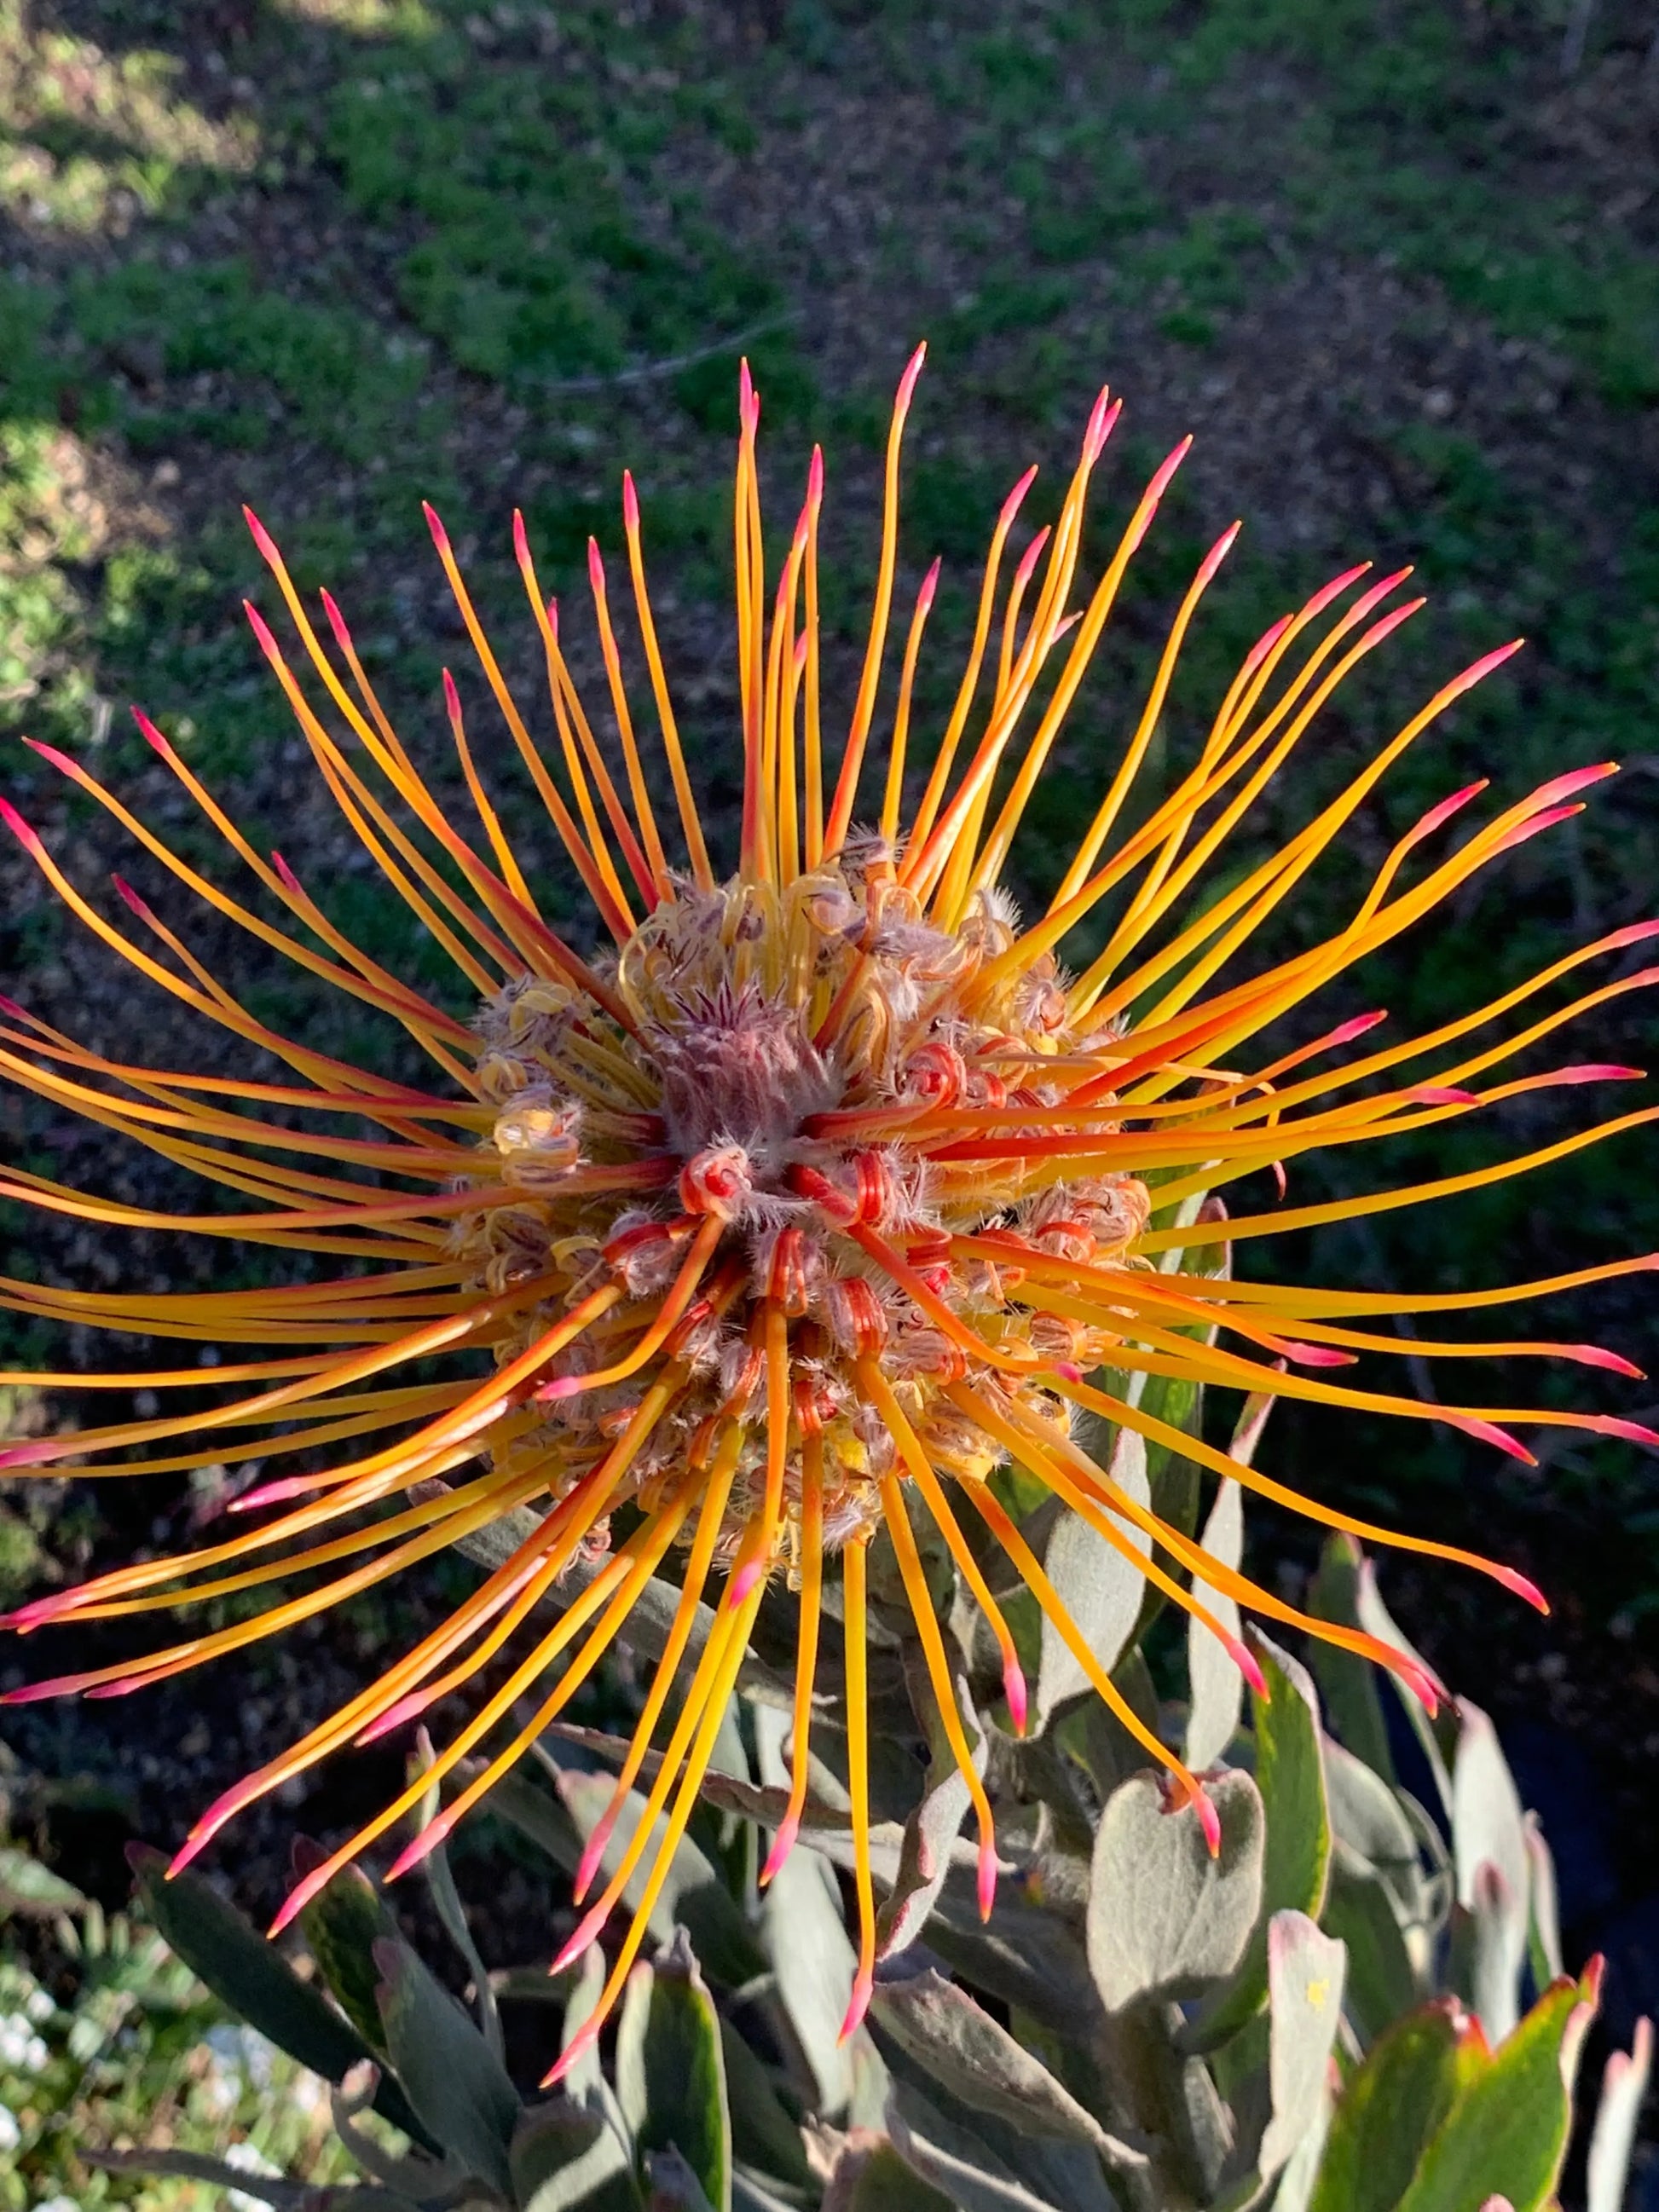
(269,1493)
(908,381)
(1479,670)
(782,1844)
(863,1989)
(929,586)
(987,1880)
(1523,1585)
(1575,780)
(262,630)
(1249,1666)
(595,568)
(129,897)
(427,1842)
(1633,1432)
(11,1009)
(406,1708)
(38,1449)
(151,734)
(582,2041)
(1443,1094)
(631,503)
(1265,644)
(1322,598)
(20,829)
(440,535)
(1357,1027)
(297,1899)
(34,1693)
(561,1386)
(336,620)
(1594,1355)
(1218,552)
(592,1854)
(1534,828)
(1437,816)
(1166,469)
(744,1581)
(1095,445)
(451,699)
(1314,1355)
(285,875)
(815,477)
(585,1929)
(59,760)
(1210,1821)
(1489,1432)
(1013,1689)
(39,1611)
(261,536)
(1422,1685)
(1595,1070)
(1016,499)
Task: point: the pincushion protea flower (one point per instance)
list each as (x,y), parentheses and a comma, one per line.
(804,1208)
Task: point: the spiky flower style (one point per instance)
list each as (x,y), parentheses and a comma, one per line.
(800,1211)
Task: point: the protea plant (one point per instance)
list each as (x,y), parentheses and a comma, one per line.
(815,1239)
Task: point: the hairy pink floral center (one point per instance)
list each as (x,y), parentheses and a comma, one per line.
(786,1095)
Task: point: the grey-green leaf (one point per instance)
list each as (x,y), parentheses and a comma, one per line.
(457,2085)
(1489,1830)
(250,1976)
(563,2155)
(971,2181)
(805,1934)
(1376,1620)
(1382,1984)
(1164,1918)
(1217,1687)
(1543,1911)
(1346,1682)
(873,2177)
(1624,2085)
(1100,1587)
(959,2044)
(1289,1774)
(1305,1972)
(671,2078)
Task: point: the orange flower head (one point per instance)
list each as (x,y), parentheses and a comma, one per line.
(809,1203)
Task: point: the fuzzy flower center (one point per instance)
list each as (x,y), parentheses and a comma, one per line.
(784,1095)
